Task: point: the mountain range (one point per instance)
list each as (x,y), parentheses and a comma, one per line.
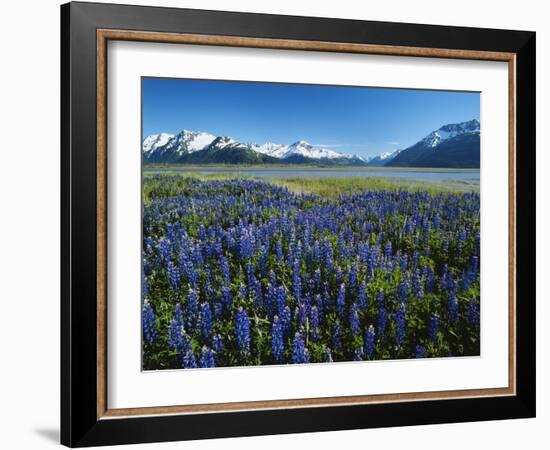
(452,145)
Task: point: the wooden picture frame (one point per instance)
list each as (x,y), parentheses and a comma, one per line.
(86,418)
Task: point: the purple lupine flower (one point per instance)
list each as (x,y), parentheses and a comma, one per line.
(242,330)
(191,310)
(475,264)
(317,278)
(400,324)
(354,323)
(189,361)
(336,337)
(300,354)
(362,296)
(339,275)
(461,240)
(352,278)
(380,299)
(452,307)
(205,320)
(277,340)
(316,251)
(429,279)
(225,270)
(417,287)
(301,315)
(144,287)
(245,246)
(296,281)
(243,292)
(419,352)
(388,250)
(472,313)
(314,323)
(286,320)
(173,276)
(165,249)
(357,354)
(217,311)
(149,323)
(207,358)
(217,346)
(341,246)
(341,301)
(369,341)
(280,299)
(402,291)
(175,328)
(433,327)
(381,319)
(227,298)
(279,251)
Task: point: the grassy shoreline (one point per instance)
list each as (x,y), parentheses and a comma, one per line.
(298,168)
(334,186)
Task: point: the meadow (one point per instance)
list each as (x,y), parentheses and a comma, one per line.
(239,271)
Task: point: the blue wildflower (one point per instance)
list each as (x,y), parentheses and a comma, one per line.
(207,358)
(205,320)
(369,341)
(191,310)
(336,337)
(242,330)
(300,354)
(400,324)
(472,313)
(150,332)
(433,327)
(277,340)
(341,301)
(362,296)
(354,323)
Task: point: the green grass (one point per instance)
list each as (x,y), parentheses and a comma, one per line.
(334,186)
(299,167)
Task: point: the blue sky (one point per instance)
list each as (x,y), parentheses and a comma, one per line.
(364,121)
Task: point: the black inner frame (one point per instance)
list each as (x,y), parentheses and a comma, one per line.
(79,423)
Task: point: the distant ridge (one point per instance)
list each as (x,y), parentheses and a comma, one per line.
(451,146)
(198,147)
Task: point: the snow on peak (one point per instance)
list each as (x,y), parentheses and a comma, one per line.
(222,141)
(450,131)
(269,148)
(191,141)
(154,141)
(389,155)
(187,142)
(307,150)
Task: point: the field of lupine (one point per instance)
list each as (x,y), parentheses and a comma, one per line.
(240,272)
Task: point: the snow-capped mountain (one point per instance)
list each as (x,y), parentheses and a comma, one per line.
(454,145)
(299,148)
(383,158)
(178,148)
(450,131)
(390,155)
(155,141)
(188,142)
(303,148)
(270,149)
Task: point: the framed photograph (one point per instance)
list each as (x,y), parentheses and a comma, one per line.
(276,224)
